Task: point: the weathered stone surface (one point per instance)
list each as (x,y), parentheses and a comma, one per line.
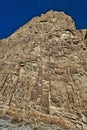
(43,72)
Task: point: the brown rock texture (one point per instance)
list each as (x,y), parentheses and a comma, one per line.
(43,72)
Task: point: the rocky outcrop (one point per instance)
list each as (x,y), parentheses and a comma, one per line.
(43,73)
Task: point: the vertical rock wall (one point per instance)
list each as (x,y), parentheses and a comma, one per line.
(43,72)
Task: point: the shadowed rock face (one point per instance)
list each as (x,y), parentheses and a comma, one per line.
(43,72)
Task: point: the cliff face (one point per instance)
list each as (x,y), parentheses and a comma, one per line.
(43,72)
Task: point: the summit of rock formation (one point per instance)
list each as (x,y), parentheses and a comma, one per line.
(43,73)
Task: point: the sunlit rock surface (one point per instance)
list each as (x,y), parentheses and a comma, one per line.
(43,73)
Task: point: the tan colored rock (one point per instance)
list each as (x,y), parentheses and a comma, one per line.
(43,72)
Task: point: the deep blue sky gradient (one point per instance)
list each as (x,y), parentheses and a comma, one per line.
(15,13)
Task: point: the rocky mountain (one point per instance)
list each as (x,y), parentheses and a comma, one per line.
(43,73)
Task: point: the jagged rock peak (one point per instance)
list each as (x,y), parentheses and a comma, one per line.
(50,21)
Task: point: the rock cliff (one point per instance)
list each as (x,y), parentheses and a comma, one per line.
(43,73)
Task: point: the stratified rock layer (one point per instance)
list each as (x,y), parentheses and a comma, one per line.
(43,72)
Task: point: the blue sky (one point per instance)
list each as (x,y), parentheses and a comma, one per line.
(15,13)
